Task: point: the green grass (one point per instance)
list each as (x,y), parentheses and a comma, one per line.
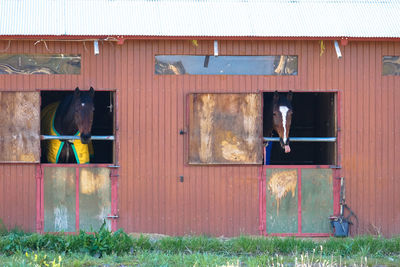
(116,249)
(156,258)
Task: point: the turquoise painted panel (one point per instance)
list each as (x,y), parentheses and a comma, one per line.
(281,201)
(316,200)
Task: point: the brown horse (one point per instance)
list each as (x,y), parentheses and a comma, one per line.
(279,118)
(72,116)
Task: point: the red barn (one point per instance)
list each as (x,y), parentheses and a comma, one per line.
(182,90)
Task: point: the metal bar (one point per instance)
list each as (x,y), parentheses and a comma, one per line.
(303,139)
(74,137)
(77,218)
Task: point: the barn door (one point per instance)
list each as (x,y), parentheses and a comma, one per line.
(20,127)
(298,201)
(77,198)
(225,129)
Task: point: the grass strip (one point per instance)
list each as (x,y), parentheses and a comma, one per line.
(104,242)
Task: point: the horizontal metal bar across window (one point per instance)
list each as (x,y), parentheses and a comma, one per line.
(75,137)
(303,139)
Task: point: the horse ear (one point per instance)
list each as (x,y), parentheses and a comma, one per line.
(91,92)
(77,93)
(276,96)
(289,96)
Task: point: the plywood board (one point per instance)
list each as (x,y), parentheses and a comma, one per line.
(20,127)
(225,129)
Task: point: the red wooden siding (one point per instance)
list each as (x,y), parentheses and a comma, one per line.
(219,200)
(17,196)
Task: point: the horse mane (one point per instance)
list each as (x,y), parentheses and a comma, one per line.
(61,112)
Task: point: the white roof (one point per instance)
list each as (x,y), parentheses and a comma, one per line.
(213,18)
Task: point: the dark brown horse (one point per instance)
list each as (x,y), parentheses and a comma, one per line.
(279,118)
(72,116)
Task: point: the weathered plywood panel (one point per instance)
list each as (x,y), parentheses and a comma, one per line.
(225,129)
(282,201)
(316,200)
(20,127)
(94,198)
(59,199)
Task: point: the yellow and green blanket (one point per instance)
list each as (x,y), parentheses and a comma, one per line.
(53,148)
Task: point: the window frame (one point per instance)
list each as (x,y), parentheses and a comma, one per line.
(113,166)
(337,118)
(170,71)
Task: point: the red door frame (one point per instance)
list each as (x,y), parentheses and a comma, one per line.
(336,180)
(114,176)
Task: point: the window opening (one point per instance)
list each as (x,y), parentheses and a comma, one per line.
(40,64)
(312,133)
(391,65)
(226,65)
(102,130)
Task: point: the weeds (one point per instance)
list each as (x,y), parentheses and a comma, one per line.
(38,260)
(3,228)
(104,242)
(194,251)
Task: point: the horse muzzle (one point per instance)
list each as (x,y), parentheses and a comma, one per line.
(285,146)
(85,138)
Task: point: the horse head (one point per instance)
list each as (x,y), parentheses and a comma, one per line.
(282,118)
(83,106)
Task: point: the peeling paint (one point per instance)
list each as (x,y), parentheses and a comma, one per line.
(250,118)
(231,150)
(60,218)
(91,182)
(281,183)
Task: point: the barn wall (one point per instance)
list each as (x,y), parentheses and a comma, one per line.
(17,196)
(220,200)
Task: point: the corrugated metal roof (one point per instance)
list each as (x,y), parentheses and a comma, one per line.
(251,18)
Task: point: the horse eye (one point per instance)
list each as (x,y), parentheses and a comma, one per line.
(275,113)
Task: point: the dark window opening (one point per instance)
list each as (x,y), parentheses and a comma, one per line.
(225,65)
(314,115)
(103,123)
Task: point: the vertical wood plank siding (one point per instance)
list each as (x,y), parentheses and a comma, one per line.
(219,200)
